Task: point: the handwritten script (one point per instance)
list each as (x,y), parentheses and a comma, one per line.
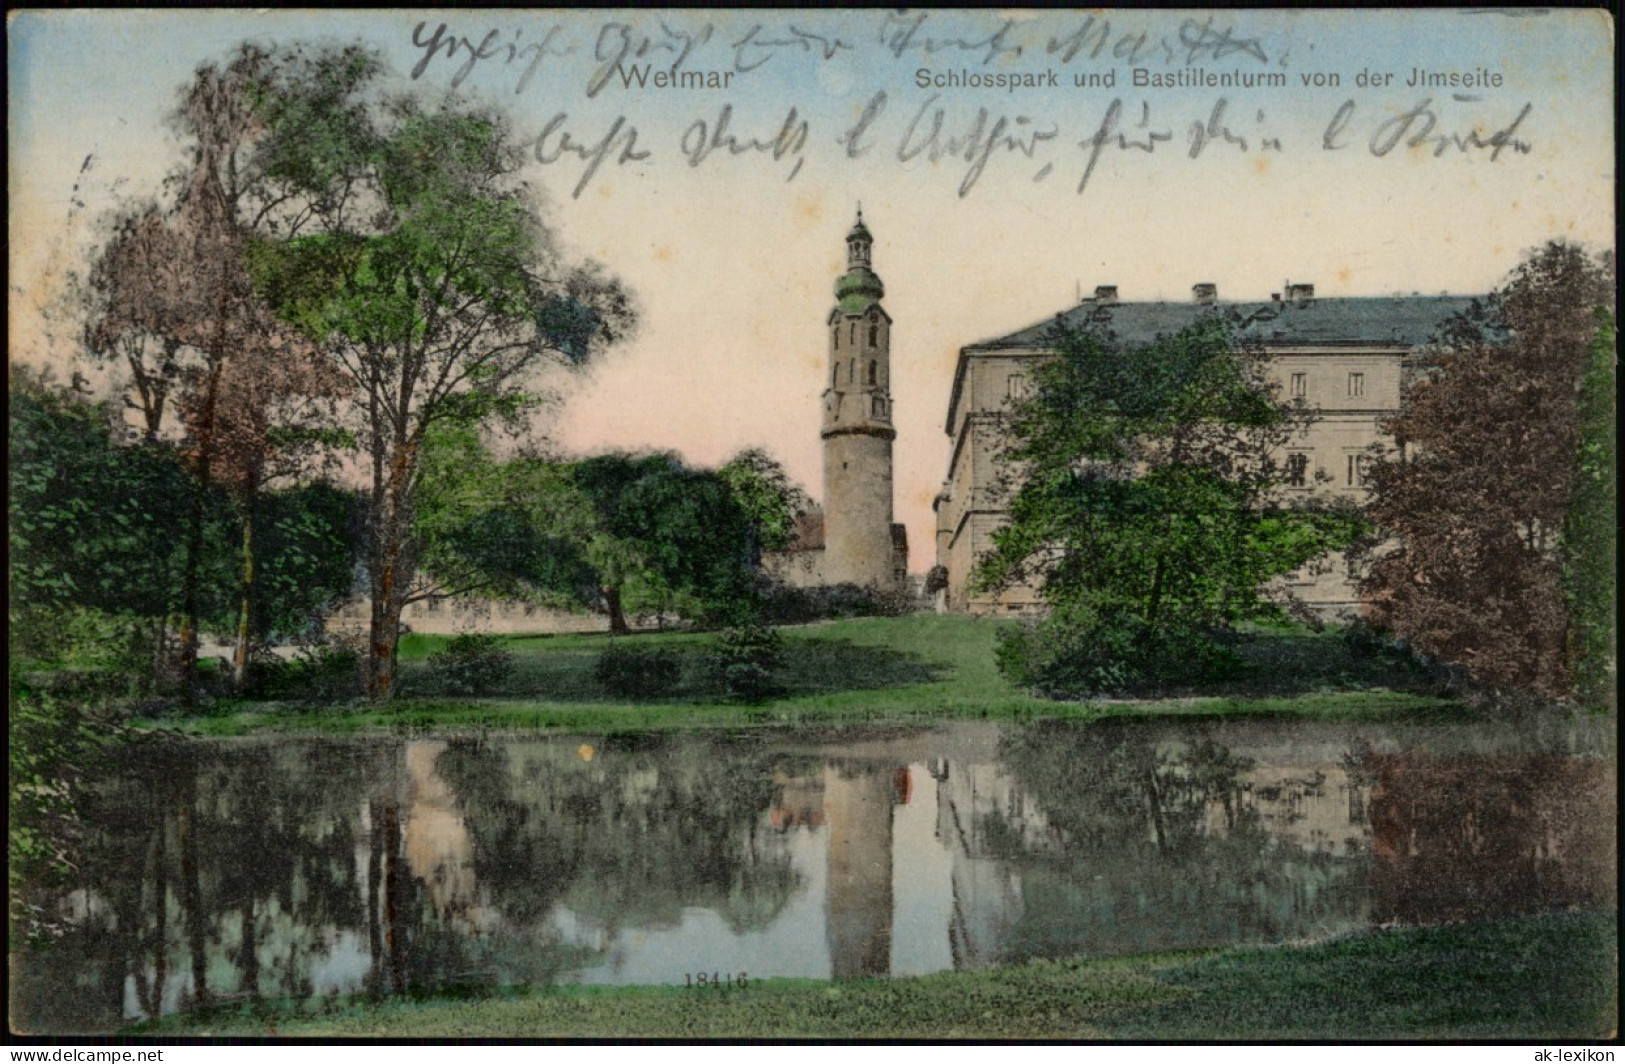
(1007,114)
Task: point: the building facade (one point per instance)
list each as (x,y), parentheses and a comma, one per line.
(853,539)
(1343,357)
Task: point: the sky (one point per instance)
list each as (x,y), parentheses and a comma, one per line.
(1149,150)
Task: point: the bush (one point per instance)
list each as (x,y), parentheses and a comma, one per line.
(473,663)
(744,660)
(637,673)
(320,672)
(1066,658)
(783,604)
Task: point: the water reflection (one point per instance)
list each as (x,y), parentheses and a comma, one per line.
(220,872)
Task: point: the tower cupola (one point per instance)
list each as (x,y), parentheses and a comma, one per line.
(859,287)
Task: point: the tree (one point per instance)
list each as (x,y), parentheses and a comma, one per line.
(273,414)
(515,529)
(92,521)
(1476,496)
(1589,538)
(396,234)
(170,293)
(666,536)
(1147,508)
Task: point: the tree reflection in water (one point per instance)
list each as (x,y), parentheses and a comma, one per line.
(1457,838)
(1155,839)
(218,873)
(224,873)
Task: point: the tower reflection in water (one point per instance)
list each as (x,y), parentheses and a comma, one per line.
(853,803)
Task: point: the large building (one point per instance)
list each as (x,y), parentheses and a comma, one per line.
(853,540)
(1344,357)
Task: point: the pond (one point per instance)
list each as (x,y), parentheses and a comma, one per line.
(218,872)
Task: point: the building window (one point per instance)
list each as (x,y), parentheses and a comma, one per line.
(852,336)
(836,333)
(1356,385)
(1356,474)
(1297,469)
(874,368)
(1019,387)
(874,335)
(1300,385)
(852,371)
(879,407)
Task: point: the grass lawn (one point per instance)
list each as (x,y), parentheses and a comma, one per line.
(1545,977)
(870,669)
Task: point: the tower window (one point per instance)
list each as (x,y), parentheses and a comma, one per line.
(852,371)
(852,337)
(874,368)
(874,335)
(836,333)
(1356,385)
(879,407)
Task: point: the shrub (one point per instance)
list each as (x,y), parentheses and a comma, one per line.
(320,672)
(637,673)
(744,660)
(474,663)
(1065,658)
(784,604)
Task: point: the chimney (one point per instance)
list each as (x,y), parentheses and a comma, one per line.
(1205,293)
(1105,293)
(1300,293)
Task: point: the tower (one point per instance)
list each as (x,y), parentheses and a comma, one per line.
(857,427)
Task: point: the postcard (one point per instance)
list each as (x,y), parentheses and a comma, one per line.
(1000,524)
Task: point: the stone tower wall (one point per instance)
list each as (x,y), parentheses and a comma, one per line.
(858,509)
(857,427)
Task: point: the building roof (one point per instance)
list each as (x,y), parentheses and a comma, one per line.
(1401,321)
(1355,321)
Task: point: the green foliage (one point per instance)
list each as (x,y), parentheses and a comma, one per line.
(638,673)
(746,659)
(1589,537)
(53,744)
(308,542)
(93,523)
(1065,656)
(78,637)
(474,663)
(509,529)
(674,537)
(787,604)
(395,235)
(766,494)
(317,673)
(1147,509)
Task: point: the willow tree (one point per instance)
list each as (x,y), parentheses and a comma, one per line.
(397,234)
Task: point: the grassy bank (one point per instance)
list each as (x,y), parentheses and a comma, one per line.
(1542,977)
(864,670)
